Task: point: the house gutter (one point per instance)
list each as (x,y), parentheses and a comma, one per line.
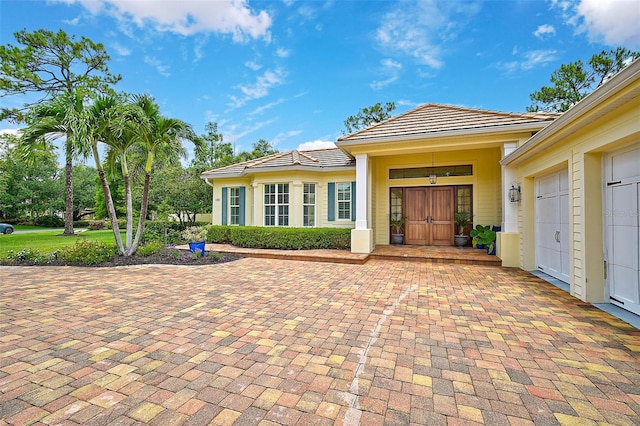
(479,131)
(583,110)
(249,171)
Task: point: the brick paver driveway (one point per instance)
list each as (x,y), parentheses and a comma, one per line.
(281,342)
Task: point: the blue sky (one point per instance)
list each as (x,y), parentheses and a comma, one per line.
(292,71)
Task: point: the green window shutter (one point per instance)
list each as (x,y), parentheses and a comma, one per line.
(331,200)
(241,193)
(225,204)
(353,201)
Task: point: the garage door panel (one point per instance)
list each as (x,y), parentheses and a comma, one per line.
(625,165)
(622,231)
(624,211)
(552,224)
(621,291)
(625,247)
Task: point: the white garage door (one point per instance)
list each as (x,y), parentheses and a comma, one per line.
(552,225)
(622,178)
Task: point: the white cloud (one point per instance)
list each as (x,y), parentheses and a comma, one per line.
(317,144)
(158,65)
(613,22)
(391,70)
(260,88)
(280,137)
(121,50)
(283,53)
(544,30)
(233,17)
(253,65)
(422,29)
(528,61)
(74,21)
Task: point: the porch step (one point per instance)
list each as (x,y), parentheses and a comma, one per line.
(435,254)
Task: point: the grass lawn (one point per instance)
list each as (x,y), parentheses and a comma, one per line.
(47,242)
(31,228)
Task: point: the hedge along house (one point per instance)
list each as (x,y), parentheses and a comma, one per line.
(424,164)
(579,180)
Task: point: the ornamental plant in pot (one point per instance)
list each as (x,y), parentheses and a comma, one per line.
(397,222)
(475,232)
(461,220)
(195,236)
(488,238)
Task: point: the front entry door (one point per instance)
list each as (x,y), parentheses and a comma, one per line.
(429,216)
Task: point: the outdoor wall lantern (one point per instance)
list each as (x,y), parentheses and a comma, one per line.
(514,193)
(432,177)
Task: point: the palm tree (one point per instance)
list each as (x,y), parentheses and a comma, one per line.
(62,117)
(157,136)
(102,124)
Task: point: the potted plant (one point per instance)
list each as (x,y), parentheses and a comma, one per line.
(397,222)
(461,220)
(195,236)
(475,232)
(488,238)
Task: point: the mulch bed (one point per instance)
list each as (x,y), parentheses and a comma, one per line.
(164,257)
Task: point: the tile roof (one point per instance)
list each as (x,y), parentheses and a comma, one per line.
(438,118)
(320,159)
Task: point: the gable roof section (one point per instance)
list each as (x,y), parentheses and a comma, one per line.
(316,160)
(439,120)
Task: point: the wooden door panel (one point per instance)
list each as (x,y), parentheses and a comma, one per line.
(442,226)
(416,227)
(429,213)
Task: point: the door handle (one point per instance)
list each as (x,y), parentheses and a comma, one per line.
(557,236)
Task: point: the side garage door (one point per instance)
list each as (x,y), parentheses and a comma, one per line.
(552,225)
(622,179)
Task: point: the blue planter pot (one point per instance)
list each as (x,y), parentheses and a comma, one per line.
(491,249)
(199,246)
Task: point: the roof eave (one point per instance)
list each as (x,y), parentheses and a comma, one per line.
(478,131)
(248,172)
(578,112)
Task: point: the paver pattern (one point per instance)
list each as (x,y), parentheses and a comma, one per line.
(274,342)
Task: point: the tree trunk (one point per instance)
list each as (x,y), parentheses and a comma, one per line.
(143,212)
(112,211)
(68,215)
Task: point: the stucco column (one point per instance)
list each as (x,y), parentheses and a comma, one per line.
(508,240)
(362,235)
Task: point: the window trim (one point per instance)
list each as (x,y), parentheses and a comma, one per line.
(277,205)
(305,205)
(348,202)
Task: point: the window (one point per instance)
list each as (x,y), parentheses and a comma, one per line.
(396,203)
(422,172)
(234,206)
(276,204)
(309,205)
(344,200)
(463,199)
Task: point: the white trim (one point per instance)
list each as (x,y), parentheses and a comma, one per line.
(362,191)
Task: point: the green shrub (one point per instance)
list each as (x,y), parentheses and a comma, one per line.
(164,230)
(88,252)
(81,223)
(150,248)
(291,238)
(49,221)
(22,255)
(219,234)
(96,225)
(31,256)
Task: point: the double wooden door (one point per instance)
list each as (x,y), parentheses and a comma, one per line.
(429,212)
